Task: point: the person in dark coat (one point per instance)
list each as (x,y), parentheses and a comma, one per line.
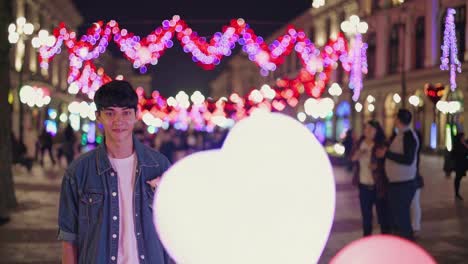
(46,143)
(348,143)
(459,153)
(69,144)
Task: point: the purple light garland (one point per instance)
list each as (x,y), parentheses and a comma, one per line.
(358,60)
(449,49)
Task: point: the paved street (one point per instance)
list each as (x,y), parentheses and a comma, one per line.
(30,236)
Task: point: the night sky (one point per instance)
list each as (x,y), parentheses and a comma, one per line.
(175,70)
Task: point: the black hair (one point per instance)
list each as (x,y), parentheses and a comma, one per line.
(379,137)
(404,116)
(116,93)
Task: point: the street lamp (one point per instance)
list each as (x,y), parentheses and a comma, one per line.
(17,33)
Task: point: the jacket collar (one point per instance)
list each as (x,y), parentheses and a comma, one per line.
(144,156)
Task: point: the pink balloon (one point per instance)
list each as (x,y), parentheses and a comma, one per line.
(382,249)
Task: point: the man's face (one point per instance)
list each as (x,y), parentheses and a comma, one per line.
(118,122)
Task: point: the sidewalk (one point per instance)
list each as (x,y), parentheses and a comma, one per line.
(30,237)
(444,227)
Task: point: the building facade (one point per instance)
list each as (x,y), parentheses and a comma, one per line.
(404,40)
(25,70)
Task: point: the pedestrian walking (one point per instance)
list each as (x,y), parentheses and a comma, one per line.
(460,154)
(46,143)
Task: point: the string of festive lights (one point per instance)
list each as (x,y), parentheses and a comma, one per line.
(450,50)
(182,111)
(144,51)
(157,111)
(359,66)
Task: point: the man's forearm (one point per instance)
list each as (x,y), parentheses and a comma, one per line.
(69,253)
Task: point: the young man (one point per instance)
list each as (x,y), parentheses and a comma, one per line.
(105,212)
(401,169)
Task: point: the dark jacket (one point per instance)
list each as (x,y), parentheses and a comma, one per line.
(89,207)
(459,155)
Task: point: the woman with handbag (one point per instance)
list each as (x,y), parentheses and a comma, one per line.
(370,178)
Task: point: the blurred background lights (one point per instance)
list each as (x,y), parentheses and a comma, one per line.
(358,107)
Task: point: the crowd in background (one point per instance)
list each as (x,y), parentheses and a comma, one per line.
(62,148)
(388,177)
(176,144)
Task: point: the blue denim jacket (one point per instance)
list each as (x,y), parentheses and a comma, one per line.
(89,206)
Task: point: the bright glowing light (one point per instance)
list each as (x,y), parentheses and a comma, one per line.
(354,26)
(339,149)
(335,90)
(11,28)
(83,52)
(450,49)
(28,28)
(320,108)
(13,37)
(197,98)
(85,128)
(382,249)
(52,113)
(450,107)
(50,41)
(454,107)
(152,129)
(268,92)
(43,34)
(396,98)
(83,109)
(34,96)
(448,138)
(301,116)
(414,100)
(433,142)
(200,215)
(370,99)
(256,96)
(358,107)
(371,108)
(310,105)
(73,107)
(75,121)
(73,88)
(21,21)
(171,101)
(36,42)
(318,3)
(63,117)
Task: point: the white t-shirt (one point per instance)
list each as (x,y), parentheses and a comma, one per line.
(365,173)
(125,168)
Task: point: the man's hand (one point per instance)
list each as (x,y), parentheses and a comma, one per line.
(69,253)
(154,182)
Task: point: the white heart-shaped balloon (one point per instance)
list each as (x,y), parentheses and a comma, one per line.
(268,196)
